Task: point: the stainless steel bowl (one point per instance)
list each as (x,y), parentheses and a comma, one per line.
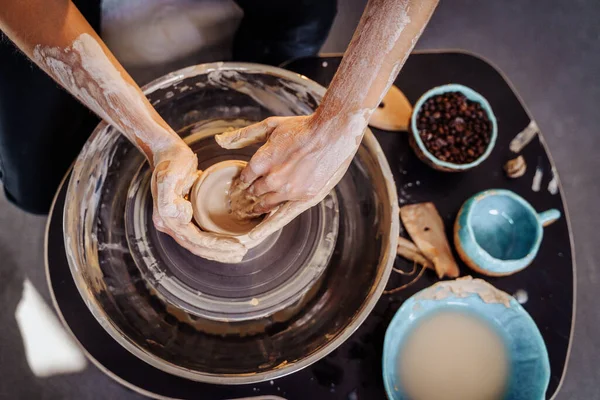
(183,343)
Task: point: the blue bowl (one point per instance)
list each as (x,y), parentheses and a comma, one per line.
(420,149)
(498,233)
(529,366)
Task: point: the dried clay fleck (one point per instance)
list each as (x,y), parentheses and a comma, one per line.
(516,167)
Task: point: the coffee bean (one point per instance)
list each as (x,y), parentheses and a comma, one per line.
(453,128)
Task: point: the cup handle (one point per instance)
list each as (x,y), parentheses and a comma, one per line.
(548,217)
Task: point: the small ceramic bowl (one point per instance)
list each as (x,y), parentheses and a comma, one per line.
(419,147)
(210,202)
(498,233)
(529,366)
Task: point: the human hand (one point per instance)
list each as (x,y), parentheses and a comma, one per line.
(175,171)
(302,160)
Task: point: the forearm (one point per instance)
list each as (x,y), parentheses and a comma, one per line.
(385,36)
(59,40)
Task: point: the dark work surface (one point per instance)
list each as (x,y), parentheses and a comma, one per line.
(551,52)
(355,368)
(549,280)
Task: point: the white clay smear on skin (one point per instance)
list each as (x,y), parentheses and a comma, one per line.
(453,356)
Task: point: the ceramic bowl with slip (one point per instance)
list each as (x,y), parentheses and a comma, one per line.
(212,208)
(528,364)
(498,233)
(294,298)
(209,198)
(417,144)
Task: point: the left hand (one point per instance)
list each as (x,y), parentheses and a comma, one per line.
(174,174)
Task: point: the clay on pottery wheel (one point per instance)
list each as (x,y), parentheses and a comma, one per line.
(210,200)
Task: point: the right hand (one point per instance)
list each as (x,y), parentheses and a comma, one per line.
(300,163)
(302,159)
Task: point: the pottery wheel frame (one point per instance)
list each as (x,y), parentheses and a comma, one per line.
(174,284)
(371,216)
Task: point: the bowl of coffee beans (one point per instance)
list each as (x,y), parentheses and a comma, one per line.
(453,128)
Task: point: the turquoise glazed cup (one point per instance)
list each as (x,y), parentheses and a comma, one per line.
(498,233)
(529,366)
(417,144)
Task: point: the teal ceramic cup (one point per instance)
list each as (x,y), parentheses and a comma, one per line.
(419,147)
(498,233)
(528,362)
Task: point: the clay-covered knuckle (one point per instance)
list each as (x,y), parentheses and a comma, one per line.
(286,189)
(174,210)
(158,222)
(259,165)
(185,211)
(299,188)
(160,170)
(247,177)
(261,208)
(269,183)
(262,160)
(307,194)
(274,199)
(271,122)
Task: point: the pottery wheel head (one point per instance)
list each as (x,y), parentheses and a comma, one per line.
(273,275)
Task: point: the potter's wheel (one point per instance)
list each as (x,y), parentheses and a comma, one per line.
(272,276)
(293,299)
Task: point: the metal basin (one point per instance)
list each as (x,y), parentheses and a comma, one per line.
(104,256)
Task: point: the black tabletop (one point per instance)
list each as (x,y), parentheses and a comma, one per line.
(353,371)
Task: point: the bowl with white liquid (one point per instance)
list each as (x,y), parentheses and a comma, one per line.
(464,340)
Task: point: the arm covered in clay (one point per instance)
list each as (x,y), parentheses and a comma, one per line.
(59,40)
(305,157)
